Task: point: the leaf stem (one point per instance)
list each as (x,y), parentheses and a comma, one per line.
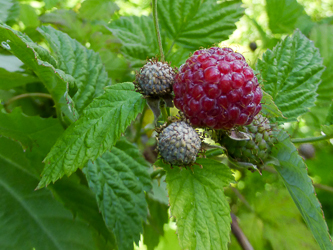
(311,139)
(25,95)
(139,125)
(157,29)
(164,112)
(158,172)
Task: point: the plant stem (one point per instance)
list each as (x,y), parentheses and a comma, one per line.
(158,172)
(240,236)
(311,139)
(164,112)
(157,29)
(139,125)
(18,97)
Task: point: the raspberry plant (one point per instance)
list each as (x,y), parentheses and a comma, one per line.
(79,167)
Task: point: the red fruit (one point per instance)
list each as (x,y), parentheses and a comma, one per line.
(216,88)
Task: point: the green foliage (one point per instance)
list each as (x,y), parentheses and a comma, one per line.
(98,9)
(34,56)
(291,74)
(199,205)
(283,15)
(80,200)
(95,132)
(137,34)
(84,65)
(269,108)
(294,175)
(322,37)
(119,179)
(34,219)
(9,80)
(276,223)
(5,6)
(28,16)
(186,21)
(154,228)
(28,131)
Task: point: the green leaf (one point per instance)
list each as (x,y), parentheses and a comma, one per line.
(5,6)
(269,108)
(322,37)
(34,56)
(291,74)
(81,201)
(329,118)
(154,228)
(119,179)
(327,130)
(27,130)
(137,34)
(49,4)
(199,205)
(95,132)
(283,15)
(28,15)
(9,80)
(276,221)
(98,9)
(84,65)
(293,172)
(187,23)
(34,219)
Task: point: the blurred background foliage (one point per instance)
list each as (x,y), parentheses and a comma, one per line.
(264,209)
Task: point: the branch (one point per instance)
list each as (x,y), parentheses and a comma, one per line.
(157,29)
(240,236)
(311,139)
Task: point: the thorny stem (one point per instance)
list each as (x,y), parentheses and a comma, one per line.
(311,139)
(157,29)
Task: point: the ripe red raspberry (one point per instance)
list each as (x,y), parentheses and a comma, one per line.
(216,88)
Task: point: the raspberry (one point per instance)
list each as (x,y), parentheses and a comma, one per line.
(255,150)
(216,88)
(178,144)
(155,79)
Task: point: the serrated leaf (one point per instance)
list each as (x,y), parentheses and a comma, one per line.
(293,172)
(84,65)
(199,205)
(97,9)
(9,80)
(95,132)
(187,23)
(34,56)
(25,129)
(269,108)
(322,37)
(34,219)
(119,179)
(137,34)
(283,15)
(291,74)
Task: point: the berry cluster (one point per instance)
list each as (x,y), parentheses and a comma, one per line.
(155,79)
(216,88)
(257,149)
(179,144)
